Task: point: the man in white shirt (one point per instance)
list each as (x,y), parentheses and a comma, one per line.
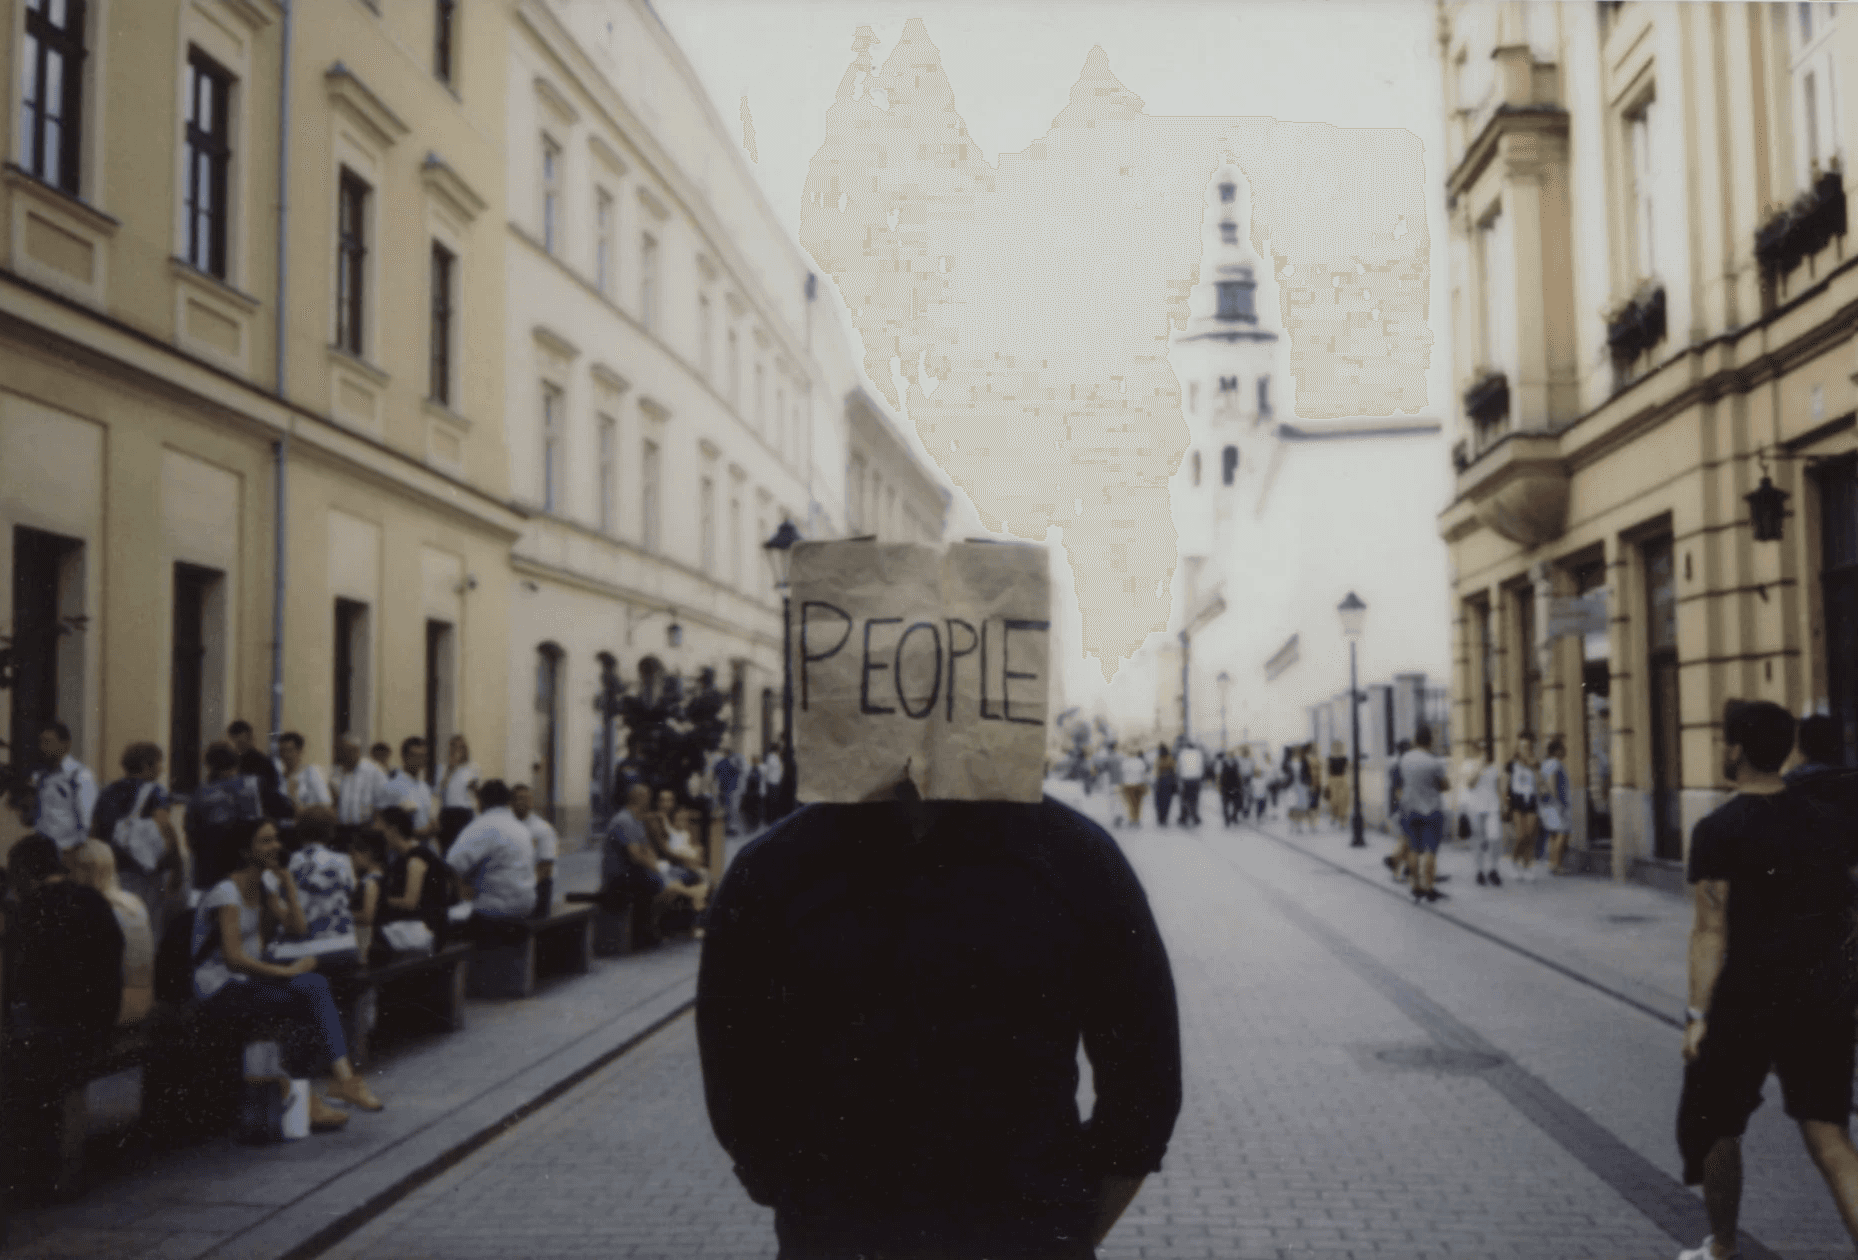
(303,784)
(1190,768)
(360,785)
(495,859)
(547,845)
(771,798)
(67,791)
(410,790)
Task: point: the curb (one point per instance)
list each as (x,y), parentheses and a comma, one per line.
(318,1221)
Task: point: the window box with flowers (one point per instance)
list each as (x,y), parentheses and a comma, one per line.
(1487,402)
(1636,325)
(1795,232)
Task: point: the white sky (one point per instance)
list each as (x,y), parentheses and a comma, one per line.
(1012,63)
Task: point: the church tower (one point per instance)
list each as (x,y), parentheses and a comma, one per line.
(1226,360)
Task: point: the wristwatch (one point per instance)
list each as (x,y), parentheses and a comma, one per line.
(1693,1016)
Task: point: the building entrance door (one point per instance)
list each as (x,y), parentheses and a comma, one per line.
(1666,762)
(1596,710)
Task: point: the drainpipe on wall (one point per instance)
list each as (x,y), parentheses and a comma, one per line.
(281,448)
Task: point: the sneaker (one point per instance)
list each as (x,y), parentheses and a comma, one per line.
(1481,881)
(1496,880)
(1433,894)
(1703,1251)
(1388,862)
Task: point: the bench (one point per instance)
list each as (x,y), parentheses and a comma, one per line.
(612,929)
(560,942)
(429,988)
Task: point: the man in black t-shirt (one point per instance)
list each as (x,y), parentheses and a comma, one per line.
(1773,983)
(889,1009)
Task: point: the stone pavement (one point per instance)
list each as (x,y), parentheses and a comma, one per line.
(444,1094)
(1364,1078)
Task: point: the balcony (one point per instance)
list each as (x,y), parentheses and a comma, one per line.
(1800,230)
(1518,487)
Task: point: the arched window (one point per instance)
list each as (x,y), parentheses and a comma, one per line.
(1228,464)
(1196,468)
(549,672)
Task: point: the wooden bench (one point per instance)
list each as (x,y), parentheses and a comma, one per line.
(612,929)
(428,988)
(561,942)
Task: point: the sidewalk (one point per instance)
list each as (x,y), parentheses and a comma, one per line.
(446,1095)
(1627,939)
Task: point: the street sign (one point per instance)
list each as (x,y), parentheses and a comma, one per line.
(1577,616)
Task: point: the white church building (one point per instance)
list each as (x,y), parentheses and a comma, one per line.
(1278,520)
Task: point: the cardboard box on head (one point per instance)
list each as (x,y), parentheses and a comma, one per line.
(920,672)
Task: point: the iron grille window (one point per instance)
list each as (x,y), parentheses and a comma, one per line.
(444,32)
(442,267)
(54,96)
(209,154)
(351,261)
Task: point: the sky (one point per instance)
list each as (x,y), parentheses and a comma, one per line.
(1012,63)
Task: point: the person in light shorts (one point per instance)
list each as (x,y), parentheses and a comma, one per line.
(1552,806)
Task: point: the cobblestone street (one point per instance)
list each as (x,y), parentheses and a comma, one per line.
(1363,1078)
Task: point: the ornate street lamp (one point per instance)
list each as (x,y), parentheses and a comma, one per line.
(1354,614)
(779,551)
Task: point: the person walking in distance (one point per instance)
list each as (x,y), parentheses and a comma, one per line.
(1167,783)
(1485,810)
(1400,860)
(1553,805)
(1422,779)
(932,968)
(1522,803)
(1231,790)
(1339,799)
(304,784)
(66,791)
(457,791)
(1191,767)
(410,790)
(1772,979)
(1134,779)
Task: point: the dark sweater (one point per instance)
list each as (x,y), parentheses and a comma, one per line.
(889,1029)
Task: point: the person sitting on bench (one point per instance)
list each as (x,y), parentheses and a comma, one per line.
(629,874)
(495,859)
(233,985)
(420,887)
(64,960)
(94,866)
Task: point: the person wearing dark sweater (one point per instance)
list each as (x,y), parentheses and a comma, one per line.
(64,987)
(889,1008)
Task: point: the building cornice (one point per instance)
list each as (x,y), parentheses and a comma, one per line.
(71,330)
(1533,120)
(449,187)
(355,98)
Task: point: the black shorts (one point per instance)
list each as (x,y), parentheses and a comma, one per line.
(1809,1049)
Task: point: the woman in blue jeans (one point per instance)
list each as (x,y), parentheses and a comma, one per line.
(234,985)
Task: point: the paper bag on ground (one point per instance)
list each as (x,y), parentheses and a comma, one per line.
(911,662)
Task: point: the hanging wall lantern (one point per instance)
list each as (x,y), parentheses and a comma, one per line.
(1767,509)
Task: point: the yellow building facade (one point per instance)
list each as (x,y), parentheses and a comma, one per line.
(1653,304)
(211,513)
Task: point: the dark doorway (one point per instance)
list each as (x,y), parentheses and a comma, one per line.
(439,697)
(1661,659)
(1838,512)
(351,664)
(1596,711)
(48,657)
(547,786)
(193,593)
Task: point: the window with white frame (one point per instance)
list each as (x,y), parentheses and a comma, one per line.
(705,335)
(649,474)
(735,540)
(1496,291)
(1814,89)
(706,508)
(439,336)
(648,281)
(209,159)
(1640,150)
(603,241)
(609,475)
(351,261)
(553,468)
(551,195)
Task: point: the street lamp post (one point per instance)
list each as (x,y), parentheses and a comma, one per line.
(1354,613)
(1225,681)
(779,550)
